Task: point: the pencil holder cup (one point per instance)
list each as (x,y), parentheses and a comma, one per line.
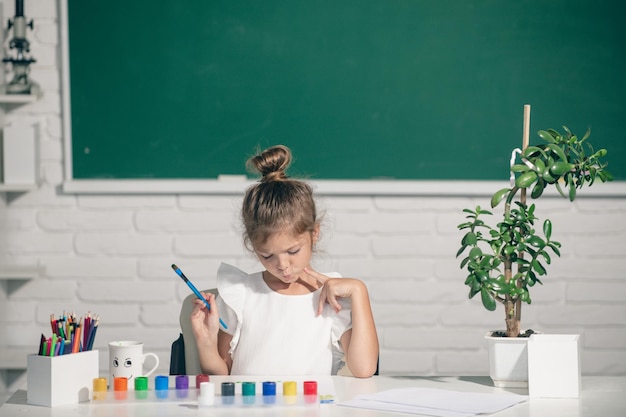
(59,380)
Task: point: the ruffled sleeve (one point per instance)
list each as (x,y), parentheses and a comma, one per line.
(231,300)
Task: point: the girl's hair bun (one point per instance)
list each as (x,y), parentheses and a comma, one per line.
(271,163)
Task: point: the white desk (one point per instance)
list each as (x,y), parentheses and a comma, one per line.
(601,396)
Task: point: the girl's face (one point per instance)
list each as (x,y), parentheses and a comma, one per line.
(285,256)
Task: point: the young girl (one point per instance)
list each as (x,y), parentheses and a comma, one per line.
(288,319)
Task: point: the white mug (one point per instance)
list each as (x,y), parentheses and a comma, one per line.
(126,360)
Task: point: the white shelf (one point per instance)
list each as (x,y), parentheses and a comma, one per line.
(17,187)
(19,273)
(13,277)
(17,98)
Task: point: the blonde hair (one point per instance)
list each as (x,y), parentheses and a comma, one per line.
(277,203)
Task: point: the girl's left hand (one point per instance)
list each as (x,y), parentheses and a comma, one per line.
(334,288)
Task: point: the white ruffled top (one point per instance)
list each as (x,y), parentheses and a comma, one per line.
(277,334)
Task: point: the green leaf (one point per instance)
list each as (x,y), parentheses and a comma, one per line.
(538,267)
(547,229)
(536,241)
(498,196)
(538,188)
(508,250)
(488,301)
(519,168)
(532,150)
(546,136)
(558,151)
(475,253)
(469,239)
(526,179)
(572,190)
(559,168)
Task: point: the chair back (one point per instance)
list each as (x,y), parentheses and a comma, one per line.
(192,361)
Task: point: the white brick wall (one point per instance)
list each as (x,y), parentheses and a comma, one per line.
(110,254)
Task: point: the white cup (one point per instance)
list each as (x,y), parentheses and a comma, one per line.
(126,360)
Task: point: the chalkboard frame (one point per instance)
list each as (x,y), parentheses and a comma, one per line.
(230,184)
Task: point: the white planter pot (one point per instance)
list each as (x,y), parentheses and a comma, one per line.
(508,361)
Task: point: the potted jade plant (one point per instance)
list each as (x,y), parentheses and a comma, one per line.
(503,262)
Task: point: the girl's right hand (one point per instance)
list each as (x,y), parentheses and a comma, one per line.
(205,323)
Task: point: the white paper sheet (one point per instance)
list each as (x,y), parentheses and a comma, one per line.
(435,402)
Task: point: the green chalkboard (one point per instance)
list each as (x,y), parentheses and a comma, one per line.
(359,89)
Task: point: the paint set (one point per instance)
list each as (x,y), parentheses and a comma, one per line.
(220,391)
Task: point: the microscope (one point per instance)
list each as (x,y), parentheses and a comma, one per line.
(20,84)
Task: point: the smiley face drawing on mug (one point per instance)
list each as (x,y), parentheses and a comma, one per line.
(126,359)
(126,363)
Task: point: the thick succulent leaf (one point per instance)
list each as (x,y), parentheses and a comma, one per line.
(559,168)
(526,179)
(558,151)
(547,229)
(498,196)
(488,301)
(546,136)
(469,239)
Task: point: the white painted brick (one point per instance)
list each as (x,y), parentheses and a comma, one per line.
(44,289)
(425,338)
(51,174)
(591,315)
(601,205)
(406,362)
(16,312)
(547,294)
(48,103)
(66,220)
(159,315)
(208,245)
(48,78)
(344,204)
(25,335)
(122,244)
(52,129)
(420,292)
(386,268)
(593,268)
(397,314)
(13,220)
(36,10)
(421,246)
(51,150)
(385,223)
(603,362)
(605,338)
(200,271)
(462,363)
(126,201)
(230,204)
(125,292)
(599,292)
(184,222)
(604,245)
(46,32)
(595,223)
(35,242)
(426,204)
(347,245)
(89,268)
